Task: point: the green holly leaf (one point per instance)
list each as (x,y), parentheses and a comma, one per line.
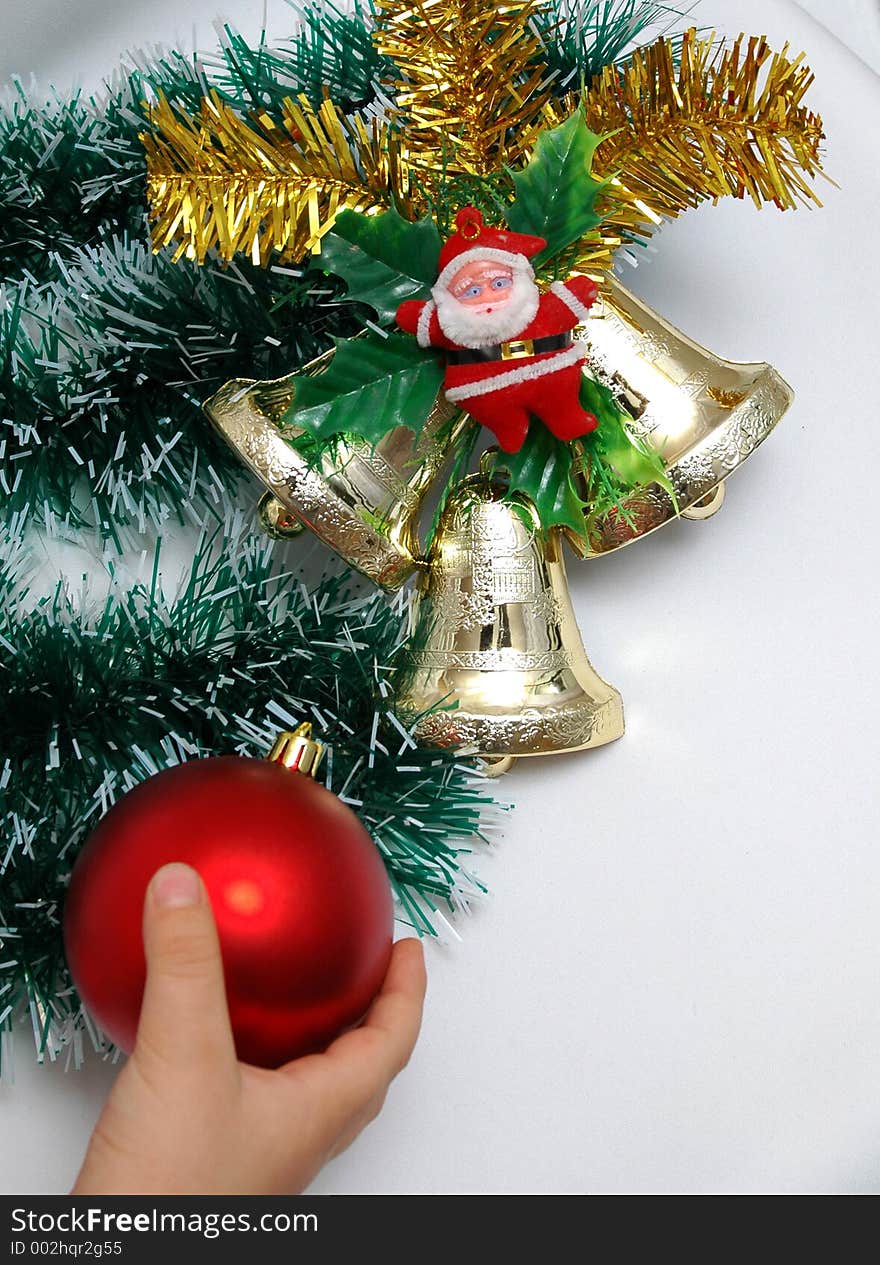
(555,191)
(383,259)
(632,461)
(371,385)
(543,470)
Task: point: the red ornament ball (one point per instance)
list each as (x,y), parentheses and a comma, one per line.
(299,892)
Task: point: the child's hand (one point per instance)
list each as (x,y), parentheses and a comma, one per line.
(185,1117)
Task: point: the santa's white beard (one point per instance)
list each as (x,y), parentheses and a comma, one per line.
(477,327)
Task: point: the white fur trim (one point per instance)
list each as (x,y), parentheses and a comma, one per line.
(525,373)
(508,257)
(424,322)
(571,300)
(470,328)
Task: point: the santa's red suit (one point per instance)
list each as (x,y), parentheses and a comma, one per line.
(517,360)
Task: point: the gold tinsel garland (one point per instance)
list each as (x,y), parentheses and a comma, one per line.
(679,126)
(724,121)
(471,85)
(257,188)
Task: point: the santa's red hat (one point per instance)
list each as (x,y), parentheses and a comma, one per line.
(474,240)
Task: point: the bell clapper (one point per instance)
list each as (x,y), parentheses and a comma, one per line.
(497,767)
(275,520)
(707,505)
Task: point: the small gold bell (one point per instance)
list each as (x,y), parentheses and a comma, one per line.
(496,660)
(363,502)
(703,415)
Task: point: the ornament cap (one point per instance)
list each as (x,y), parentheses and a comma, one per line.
(297,750)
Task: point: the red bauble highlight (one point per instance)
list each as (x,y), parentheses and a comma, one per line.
(299,892)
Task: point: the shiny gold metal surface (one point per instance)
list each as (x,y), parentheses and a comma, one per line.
(297,750)
(702,414)
(496,661)
(364,502)
(706,506)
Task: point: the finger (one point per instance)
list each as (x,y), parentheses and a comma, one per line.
(184,1018)
(359,1066)
(397,1011)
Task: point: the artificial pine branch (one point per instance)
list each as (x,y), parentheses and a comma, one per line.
(332,53)
(103,372)
(68,168)
(106,353)
(581,37)
(73,170)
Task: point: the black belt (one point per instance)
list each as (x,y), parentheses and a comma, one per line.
(518,349)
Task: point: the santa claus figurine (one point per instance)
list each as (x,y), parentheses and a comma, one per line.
(510,352)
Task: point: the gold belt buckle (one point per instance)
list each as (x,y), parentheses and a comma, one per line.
(517,349)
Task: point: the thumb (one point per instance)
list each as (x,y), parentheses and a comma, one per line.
(184,1017)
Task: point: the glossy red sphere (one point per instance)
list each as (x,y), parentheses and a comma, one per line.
(299,892)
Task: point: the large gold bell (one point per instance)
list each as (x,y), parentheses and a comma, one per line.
(496,661)
(702,414)
(362,501)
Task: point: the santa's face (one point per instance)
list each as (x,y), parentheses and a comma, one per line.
(483,285)
(487,300)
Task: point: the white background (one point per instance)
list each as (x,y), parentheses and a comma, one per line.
(676,983)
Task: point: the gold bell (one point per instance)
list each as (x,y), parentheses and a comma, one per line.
(701,414)
(496,660)
(363,502)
